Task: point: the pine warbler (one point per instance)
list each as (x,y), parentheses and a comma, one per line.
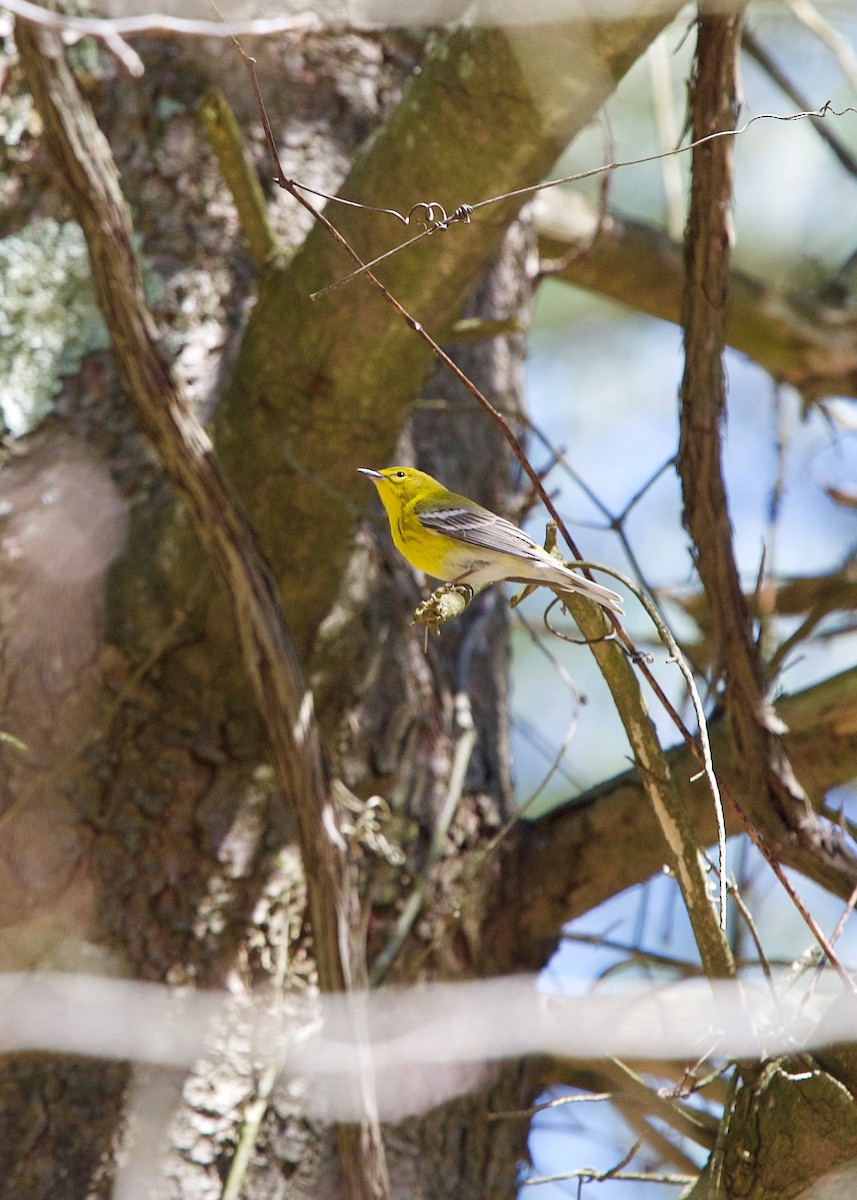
(456,540)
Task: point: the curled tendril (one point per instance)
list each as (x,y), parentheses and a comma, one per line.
(564,637)
(434,215)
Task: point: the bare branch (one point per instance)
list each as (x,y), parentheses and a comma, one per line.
(770,794)
(752,46)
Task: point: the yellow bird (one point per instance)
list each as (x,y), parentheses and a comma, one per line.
(456,540)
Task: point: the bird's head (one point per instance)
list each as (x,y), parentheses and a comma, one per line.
(398,484)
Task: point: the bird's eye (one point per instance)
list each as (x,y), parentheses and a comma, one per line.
(400,474)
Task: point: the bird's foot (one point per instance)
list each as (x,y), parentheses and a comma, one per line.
(444,604)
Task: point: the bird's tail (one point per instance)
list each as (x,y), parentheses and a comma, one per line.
(571,581)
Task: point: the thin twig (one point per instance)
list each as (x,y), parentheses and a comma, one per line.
(590,1175)
(517,1114)
(843,919)
(465,211)
(571,728)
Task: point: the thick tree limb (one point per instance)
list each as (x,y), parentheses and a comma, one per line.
(185,452)
(800,340)
(323,387)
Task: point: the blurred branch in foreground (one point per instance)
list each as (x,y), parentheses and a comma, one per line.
(423,1044)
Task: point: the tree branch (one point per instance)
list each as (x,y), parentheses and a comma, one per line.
(769,791)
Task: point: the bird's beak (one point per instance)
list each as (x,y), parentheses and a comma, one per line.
(368,471)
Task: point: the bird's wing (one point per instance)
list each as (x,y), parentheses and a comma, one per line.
(479,527)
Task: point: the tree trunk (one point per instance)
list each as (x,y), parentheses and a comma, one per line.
(156,842)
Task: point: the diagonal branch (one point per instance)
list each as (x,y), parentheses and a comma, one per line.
(680,848)
(184,449)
